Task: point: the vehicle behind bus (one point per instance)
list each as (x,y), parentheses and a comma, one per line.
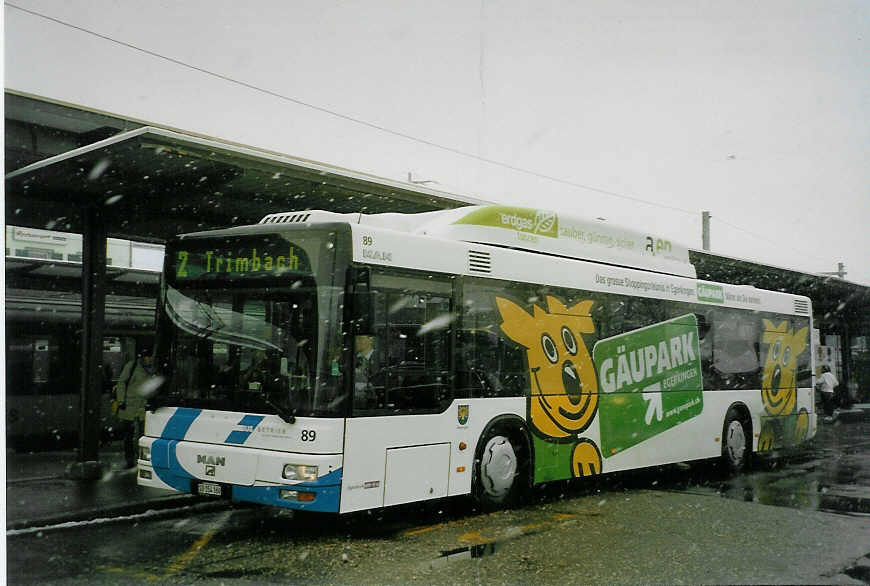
(43,375)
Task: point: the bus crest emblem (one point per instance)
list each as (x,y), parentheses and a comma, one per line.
(462,414)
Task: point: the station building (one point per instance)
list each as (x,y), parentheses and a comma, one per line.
(91,197)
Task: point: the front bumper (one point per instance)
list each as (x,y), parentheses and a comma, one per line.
(171,468)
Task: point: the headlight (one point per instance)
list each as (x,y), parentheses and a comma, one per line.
(300,472)
(145,453)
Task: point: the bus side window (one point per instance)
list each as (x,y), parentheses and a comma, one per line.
(410,365)
(804,374)
(705,347)
(731,338)
(488,363)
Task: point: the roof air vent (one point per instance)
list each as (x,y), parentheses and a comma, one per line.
(802,306)
(286,218)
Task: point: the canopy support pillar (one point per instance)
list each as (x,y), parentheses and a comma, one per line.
(87,466)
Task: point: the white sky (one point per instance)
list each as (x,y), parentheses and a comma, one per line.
(758,111)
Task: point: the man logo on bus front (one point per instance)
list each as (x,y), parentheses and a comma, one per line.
(563,400)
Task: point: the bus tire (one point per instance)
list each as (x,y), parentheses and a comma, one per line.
(501,467)
(736,440)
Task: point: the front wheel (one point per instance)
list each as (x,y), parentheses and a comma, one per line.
(500,471)
(736,441)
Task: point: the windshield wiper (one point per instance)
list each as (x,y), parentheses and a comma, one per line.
(178,308)
(286,415)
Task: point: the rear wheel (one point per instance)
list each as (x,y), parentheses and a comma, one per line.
(500,474)
(736,441)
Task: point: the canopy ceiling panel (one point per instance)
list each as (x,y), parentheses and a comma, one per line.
(153,184)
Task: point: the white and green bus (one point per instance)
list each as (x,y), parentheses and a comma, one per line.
(342,362)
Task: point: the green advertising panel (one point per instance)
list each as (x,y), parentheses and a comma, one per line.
(649,381)
(710,293)
(552,460)
(532,221)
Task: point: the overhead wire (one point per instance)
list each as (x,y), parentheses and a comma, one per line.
(353,119)
(765,239)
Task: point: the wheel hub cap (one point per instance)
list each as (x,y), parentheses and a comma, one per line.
(499,466)
(736,441)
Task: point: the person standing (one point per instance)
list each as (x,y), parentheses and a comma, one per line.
(131,401)
(826,384)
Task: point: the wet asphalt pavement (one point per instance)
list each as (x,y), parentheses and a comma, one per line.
(832,474)
(802,518)
(39,491)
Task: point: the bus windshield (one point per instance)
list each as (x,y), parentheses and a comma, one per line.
(245,340)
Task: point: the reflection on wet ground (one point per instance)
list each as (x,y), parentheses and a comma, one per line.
(861,570)
(465,553)
(831,473)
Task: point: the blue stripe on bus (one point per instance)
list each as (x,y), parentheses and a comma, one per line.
(327,489)
(239,437)
(179,423)
(163,457)
(165,464)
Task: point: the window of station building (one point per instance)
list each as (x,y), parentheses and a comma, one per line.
(116,352)
(405,366)
(19,366)
(38,365)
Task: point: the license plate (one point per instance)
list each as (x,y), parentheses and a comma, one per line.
(209,489)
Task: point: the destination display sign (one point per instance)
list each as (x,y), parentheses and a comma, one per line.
(242,258)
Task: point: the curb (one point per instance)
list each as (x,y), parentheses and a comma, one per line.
(110,512)
(850,415)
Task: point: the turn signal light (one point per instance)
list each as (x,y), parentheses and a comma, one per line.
(297,495)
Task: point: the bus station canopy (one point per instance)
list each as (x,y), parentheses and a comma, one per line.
(153,183)
(149,184)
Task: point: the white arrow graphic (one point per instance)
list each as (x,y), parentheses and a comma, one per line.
(653,395)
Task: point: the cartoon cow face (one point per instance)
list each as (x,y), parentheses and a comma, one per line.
(564,393)
(778,382)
